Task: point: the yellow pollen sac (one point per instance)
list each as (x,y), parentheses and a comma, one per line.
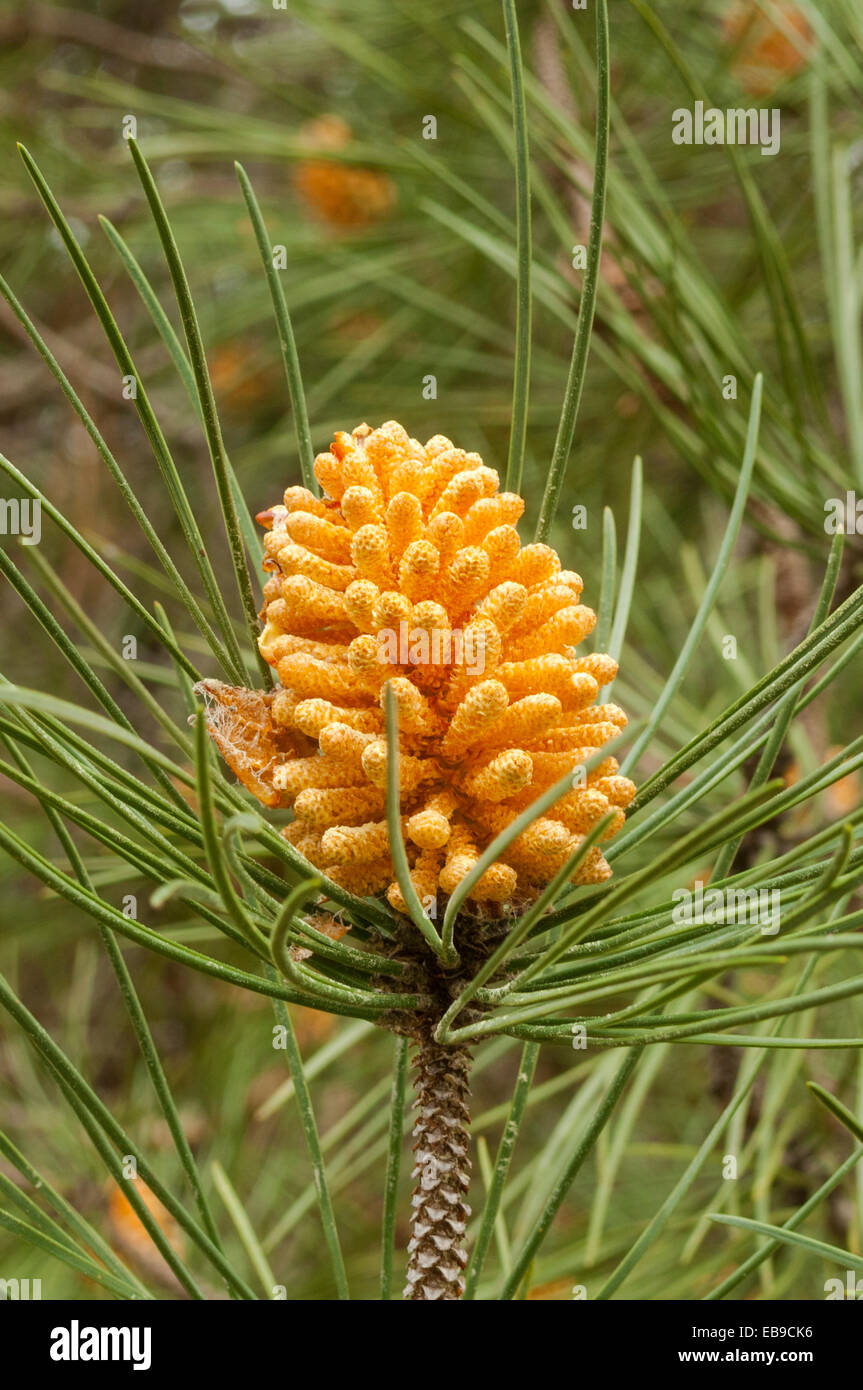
(357,472)
(445,463)
(363,656)
(550,767)
(552,673)
(446,533)
(418,570)
(505,775)
(424,877)
(370,553)
(409,476)
(312,602)
(544,845)
(295,559)
(283,709)
(415,711)
(438,444)
(526,720)
(311,716)
(305,674)
(580,810)
(333,653)
(601,714)
(476,656)
(412,771)
(305,840)
(430,616)
(344,444)
(404,522)
(274,540)
(619,790)
(561,740)
(408,577)
(490,512)
(572,580)
(502,546)
(319,808)
(465,578)
(328,471)
(504,605)
(479,709)
(615,825)
(498,882)
(460,494)
(360,600)
(342,742)
(535,564)
(276,644)
(607,768)
(496,885)
(362,507)
(296,774)
(603,668)
(391,609)
(346,844)
(319,535)
(462,855)
(363,880)
(299,499)
(385,447)
(595,868)
(567,628)
(579,692)
(429,829)
(542,603)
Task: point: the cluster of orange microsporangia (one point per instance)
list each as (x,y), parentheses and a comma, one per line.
(410,548)
(767,47)
(346,195)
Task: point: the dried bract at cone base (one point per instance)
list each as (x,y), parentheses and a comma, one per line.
(409,572)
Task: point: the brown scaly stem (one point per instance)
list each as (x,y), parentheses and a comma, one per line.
(439,1209)
(441,1138)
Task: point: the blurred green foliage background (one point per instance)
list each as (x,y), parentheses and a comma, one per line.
(400,265)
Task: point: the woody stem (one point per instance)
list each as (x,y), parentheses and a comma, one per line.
(439,1210)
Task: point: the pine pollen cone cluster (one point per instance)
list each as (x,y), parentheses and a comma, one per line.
(409,571)
(345,195)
